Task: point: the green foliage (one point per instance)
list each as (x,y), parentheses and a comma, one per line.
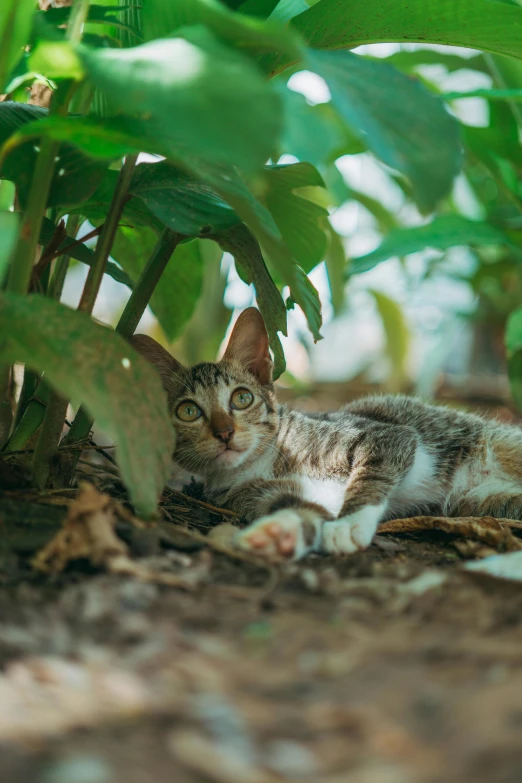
(189,80)
(179,288)
(9,226)
(89,363)
(399,120)
(477,24)
(443,232)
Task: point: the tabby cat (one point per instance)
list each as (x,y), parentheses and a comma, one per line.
(323,482)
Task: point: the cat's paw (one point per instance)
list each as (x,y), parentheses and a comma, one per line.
(288,534)
(350,534)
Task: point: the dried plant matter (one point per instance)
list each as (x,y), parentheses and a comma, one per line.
(494,532)
(89,532)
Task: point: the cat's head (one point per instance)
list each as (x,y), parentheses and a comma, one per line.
(224,413)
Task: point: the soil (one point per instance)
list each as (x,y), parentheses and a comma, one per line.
(395,665)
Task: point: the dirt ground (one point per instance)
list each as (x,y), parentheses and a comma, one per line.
(395,665)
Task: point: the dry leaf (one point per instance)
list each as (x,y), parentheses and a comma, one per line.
(493,532)
(88,532)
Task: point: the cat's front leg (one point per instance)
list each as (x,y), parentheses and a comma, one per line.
(380,463)
(284,525)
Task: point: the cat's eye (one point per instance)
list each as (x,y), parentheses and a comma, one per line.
(188,411)
(241,399)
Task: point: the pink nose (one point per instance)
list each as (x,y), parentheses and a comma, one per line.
(224,435)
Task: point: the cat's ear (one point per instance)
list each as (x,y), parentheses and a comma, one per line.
(248,344)
(169,369)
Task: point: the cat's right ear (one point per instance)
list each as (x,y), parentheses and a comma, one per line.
(170,370)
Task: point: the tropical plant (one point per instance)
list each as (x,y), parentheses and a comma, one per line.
(203,85)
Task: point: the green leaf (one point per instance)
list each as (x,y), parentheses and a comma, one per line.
(252,269)
(513,341)
(89,363)
(475,24)
(76,176)
(397,337)
(409,60)
(488,94)
(180,201)
(9,225)
(166,16)
(57,60)
(315,134)
(81,253)
(300,220)
(443,232)
(15,30)
(97,14)
(261,8)
(180,285)
(400,121)
(224,110)
(335,261)
(287,9)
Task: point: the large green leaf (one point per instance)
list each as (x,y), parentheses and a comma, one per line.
(9,225)
(201,97)
(89,363)
(165,16)
(76,176)
(443,232)
(300,220)
(315,134)
(179,288)
(179,201)
(476,24)
(252,269)
(15,30)
(400,121)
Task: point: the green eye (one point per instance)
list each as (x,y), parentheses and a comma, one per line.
(241,399)
(188,411)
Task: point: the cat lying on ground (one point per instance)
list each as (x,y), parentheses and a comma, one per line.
(323,482)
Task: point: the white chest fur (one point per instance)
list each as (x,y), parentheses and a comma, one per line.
(328,493)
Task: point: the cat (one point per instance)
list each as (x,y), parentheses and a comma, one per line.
(323,482)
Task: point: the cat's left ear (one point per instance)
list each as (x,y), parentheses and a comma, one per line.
(248,344)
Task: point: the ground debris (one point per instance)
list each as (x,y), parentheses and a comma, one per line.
(89,532)
(507,566)
(496,533)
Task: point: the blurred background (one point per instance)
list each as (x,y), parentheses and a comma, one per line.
(426,322)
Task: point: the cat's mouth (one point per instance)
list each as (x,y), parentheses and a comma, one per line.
(229,454)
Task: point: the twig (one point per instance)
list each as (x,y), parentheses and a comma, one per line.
(215,509)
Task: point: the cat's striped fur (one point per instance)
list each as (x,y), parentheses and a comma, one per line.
(323,482)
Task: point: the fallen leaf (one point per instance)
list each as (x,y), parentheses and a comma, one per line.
(493,532)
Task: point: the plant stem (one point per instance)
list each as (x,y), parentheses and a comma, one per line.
(104,244)
(62,263)
(147,283)
(6,412)
(48,439)
(21,267)
(31,418)
(30,382)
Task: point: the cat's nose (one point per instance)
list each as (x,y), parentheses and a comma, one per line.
(222,426)
(224,435)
